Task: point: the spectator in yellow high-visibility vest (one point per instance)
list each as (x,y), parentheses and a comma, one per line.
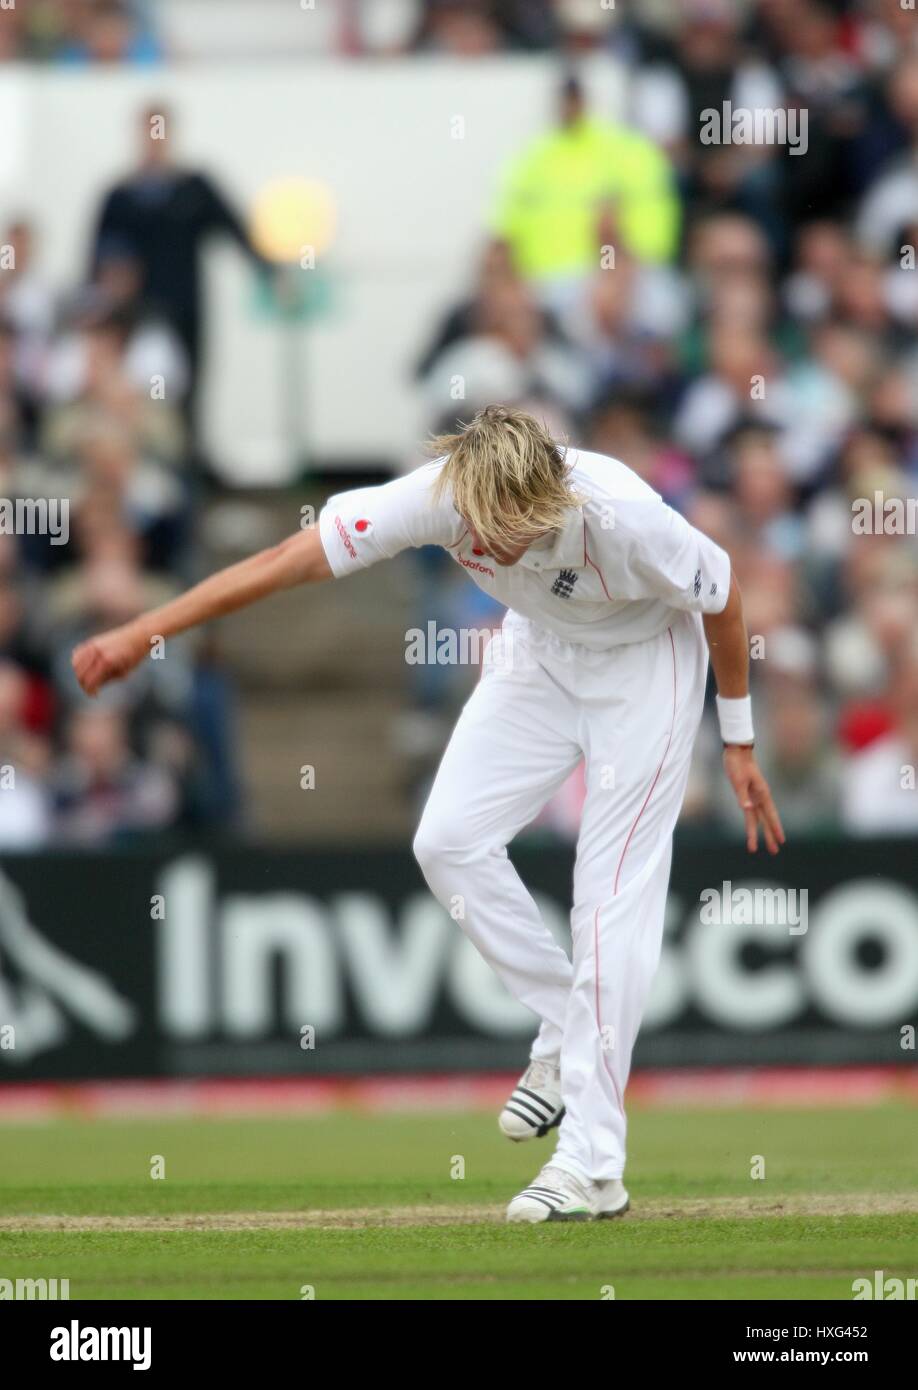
(587,180)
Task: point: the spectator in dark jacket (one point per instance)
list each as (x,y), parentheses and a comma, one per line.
(164,215)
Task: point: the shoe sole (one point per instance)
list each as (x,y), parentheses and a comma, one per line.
(538,1133)
(552,1216)
(611,1215)
(574,1216)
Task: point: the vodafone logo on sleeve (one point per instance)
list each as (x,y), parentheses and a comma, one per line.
(362,525)
(345,538)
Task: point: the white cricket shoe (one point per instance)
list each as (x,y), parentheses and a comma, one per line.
(610,1199)
(558,1196)
(535,1105)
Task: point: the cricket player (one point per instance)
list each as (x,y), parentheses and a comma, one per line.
(614,604)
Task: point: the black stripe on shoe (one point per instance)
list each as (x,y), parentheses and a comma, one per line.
(554,1201)
(541,1117)
(537,1199)
(539,1100)
(552,1124)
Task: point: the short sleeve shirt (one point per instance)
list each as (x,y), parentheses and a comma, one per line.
(616,572)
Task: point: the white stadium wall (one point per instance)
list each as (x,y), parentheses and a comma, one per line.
(413,202)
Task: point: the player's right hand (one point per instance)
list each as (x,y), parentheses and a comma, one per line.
(754,798)
(108,657)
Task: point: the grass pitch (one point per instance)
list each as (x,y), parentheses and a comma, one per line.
(357,1206)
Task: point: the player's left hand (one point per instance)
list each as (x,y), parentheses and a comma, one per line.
(754,798)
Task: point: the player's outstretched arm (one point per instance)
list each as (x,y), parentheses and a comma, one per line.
(729,648)
(298,560)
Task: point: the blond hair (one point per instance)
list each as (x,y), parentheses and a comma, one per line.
(506,475)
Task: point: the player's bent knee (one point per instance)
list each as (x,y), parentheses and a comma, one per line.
(429,846)
(438,844)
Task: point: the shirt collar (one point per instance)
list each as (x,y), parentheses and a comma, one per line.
(567,550)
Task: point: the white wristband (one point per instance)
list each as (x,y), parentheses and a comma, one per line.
(735,718)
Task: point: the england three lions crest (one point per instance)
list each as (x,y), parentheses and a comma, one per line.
(563,586)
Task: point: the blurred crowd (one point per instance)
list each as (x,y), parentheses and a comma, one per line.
(97,394)
(644,34)
(739,323)
(77,32)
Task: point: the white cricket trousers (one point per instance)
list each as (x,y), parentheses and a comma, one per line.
(541,705)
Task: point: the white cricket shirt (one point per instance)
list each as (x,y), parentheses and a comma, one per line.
(612,574)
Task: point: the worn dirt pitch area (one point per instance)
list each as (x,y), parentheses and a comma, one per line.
(349,1219)
(346,1206)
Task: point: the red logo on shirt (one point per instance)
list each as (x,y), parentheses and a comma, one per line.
(362,525)
(345,538)
(474,565)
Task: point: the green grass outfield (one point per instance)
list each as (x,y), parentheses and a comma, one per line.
(363,1206)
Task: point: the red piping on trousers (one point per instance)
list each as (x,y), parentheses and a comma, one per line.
(659,770)
(609,1072)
